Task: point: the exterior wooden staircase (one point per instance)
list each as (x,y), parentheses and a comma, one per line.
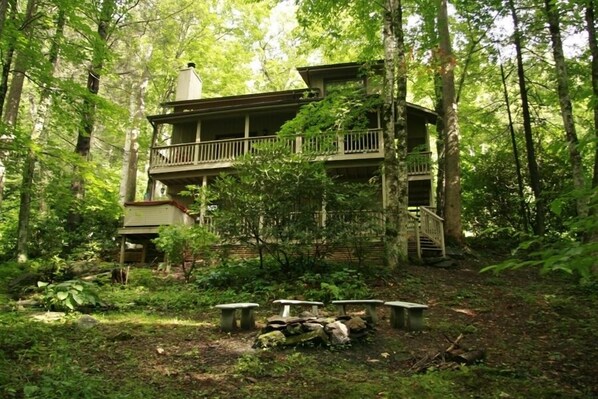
(426,233)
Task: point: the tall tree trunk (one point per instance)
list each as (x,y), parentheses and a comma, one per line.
(593,44)
(452,206)
(522,204)
(566,106)
(88,112)
(532,163)
(137,111)
(3,10)
(10,48)
(401,135)
(395,143)
(35,140)
(6,64)
(590,16)
(22,63)
(440,144)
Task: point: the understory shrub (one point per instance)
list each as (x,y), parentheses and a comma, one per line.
(69,295)
(269,282)
(341,284)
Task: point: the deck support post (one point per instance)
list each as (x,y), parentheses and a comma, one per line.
(122,249)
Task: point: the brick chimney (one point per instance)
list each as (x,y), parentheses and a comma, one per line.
(189,84)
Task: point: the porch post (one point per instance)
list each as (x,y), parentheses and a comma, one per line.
(197,140)
(144,251)
(151,188)
(122,250)
(246,135)
(203,207)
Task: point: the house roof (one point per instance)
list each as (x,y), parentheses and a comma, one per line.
(290,99)
(346,69)
(272,100)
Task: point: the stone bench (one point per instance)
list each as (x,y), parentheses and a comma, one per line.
(415,315)
(369,304)
(287,303)
(228,320)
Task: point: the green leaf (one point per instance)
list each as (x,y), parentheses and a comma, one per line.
(62,295)
(42,284)
(78,299)
(29,390)
(69,304)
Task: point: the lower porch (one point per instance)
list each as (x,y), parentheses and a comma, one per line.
(143,219)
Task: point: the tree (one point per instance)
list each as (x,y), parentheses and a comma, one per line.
(394,115)
(452,170)
(534,174)
(30,163)
(88,107)
(566,107)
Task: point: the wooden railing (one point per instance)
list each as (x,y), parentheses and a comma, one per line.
(341,145)
(432,226)
(424,223)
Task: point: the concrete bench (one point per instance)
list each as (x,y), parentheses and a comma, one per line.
(287,303)
(415,315)
(369,304)
(228,320)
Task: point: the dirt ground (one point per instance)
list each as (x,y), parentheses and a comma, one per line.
(533,330)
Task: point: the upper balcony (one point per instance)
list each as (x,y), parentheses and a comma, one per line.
(339,146)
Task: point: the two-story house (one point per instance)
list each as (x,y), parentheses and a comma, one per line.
(201,138)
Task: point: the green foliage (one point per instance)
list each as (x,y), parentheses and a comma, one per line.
(340,284)
(571,252)
(340,110)
(69,295)
(270,282)
(186,246)
(274,204)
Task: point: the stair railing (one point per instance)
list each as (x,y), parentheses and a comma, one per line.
(432,226)
(413,226)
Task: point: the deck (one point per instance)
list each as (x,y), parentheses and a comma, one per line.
(341,146)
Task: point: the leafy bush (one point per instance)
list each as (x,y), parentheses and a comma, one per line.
(186,246)
(341,284)
(69,295)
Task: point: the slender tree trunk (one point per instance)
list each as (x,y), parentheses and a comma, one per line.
(88,113)
(10,48)
(129,172)
(31,159)
(6,64)
(590,16)
(395,145)
(3,10)
(452,207)
(22,63)
(593,44)
(401,135)
(566,107)
(522,204)
(534,173)
(440,145)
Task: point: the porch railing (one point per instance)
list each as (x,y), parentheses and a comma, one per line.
(371,224)
(350,144)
